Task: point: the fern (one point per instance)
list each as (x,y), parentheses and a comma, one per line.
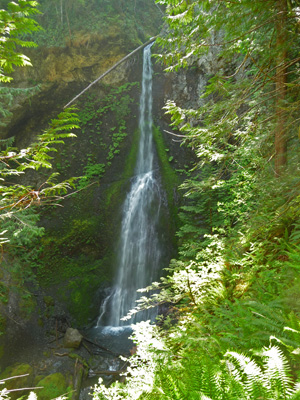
(15,22)
(237,377)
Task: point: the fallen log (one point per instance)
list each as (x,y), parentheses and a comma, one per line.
(61,354)
(111,69)
(87,348)
(107,372)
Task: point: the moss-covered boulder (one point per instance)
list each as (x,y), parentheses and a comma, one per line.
(54,385)
(24,372)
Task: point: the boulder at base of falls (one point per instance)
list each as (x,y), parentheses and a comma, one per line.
(72,338)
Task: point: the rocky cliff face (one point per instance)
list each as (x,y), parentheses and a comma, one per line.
(61,73)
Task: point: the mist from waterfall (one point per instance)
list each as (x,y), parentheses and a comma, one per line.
(139,249)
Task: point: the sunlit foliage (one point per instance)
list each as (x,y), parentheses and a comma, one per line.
(232,326)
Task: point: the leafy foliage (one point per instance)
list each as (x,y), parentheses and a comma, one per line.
(38,155)
(19,199)
(231,328)
(15,22)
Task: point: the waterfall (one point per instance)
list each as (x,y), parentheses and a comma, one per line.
(139,249)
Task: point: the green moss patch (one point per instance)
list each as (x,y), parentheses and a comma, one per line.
(54,385)
(17,383)
(169,177)
(114,195)
(78,293)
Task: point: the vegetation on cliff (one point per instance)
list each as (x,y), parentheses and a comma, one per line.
(232,327)
(18,226)
(139,19)
(232,330)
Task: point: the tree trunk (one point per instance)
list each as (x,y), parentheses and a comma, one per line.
(68,22)
(61,12)
(281,88)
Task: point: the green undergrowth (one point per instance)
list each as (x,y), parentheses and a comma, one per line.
(233,328)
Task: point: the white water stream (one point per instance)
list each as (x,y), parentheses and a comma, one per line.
(139,251)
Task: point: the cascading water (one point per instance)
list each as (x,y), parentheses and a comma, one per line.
(139,252)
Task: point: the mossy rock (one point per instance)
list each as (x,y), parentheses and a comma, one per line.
(54,385)
(170,178)
(38,378)
(17,383)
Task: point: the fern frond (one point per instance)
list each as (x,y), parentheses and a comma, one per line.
(277,373)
